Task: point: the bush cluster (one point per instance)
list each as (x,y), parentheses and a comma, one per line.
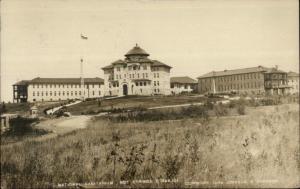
(21,126)
(141,114)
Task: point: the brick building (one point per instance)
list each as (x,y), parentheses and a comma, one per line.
(254,80)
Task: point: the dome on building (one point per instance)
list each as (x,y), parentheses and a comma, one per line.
(136,51)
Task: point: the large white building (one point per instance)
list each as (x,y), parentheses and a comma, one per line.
(137,75)
(55,89)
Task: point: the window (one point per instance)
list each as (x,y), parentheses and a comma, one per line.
(137,84)
(129,68)
(143,75)
(67,93)
(154,75)
(157,83)
(157,75)
(145,83)
(46,93)
(154,83)
(50,93)
(146,75)
(79,92)
(33,86)
(118,69)
(93,93)
(50,86)
(117,76)
(42,94)
(59,93)
(63,93)
(99,93)
(93,85)
(138,75)
(37,85)
(33,94)
(46,86)
(145,67)
(75,93)
(38,94)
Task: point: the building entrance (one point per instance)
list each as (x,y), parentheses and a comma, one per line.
(125,90)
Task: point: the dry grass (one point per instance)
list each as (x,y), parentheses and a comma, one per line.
(262,145)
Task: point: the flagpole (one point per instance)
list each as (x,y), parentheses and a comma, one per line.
(81,79)
(81,70)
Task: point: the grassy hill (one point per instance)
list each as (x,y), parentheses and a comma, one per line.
(262,145)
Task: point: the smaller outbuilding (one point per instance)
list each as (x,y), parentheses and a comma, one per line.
(183,84)
(34,112)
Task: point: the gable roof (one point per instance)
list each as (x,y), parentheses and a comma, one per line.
(39,80)
(158,63)
(183,80)
(236,71)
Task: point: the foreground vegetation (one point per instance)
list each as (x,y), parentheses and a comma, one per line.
(21,128)
(263,145)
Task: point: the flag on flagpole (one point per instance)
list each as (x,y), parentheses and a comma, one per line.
(84,37)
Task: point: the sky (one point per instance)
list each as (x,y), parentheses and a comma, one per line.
(41,38)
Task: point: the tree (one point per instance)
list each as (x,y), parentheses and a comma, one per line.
(3,108)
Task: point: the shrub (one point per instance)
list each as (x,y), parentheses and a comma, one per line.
(171,166)
(220,110)
(241,109)
(132,161)
(20,126)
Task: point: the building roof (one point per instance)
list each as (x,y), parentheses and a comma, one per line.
(236,71)
(142,59)
(119,62)
(274,70)
(293,74)
(183,80)
(158,63)
(22,82)
(39,80)
(137,51)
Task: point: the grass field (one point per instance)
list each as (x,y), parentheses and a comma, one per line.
(131,102)
(261,145)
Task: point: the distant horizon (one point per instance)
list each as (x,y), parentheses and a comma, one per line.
(43,38)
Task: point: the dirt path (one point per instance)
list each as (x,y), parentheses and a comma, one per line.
(65,125)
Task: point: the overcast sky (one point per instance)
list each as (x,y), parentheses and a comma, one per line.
(42,37)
